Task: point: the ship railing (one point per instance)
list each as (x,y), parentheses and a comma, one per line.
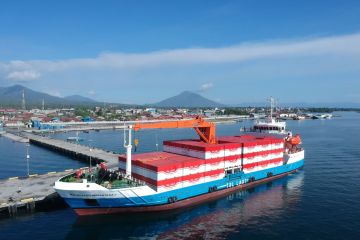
(295,150)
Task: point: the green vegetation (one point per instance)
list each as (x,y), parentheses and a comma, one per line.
(320,110)
(330,110)
(83,112)
(235,111)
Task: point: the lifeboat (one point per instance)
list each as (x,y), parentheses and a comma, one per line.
(295,140)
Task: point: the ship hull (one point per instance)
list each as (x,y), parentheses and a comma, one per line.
(177,205)
(231,185)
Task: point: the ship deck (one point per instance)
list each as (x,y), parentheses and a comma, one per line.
(108,179)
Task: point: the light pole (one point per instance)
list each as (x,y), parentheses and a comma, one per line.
(27,159)
(90,154)
(90,158)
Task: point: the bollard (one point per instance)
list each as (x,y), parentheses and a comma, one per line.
(30,206)
(12,210)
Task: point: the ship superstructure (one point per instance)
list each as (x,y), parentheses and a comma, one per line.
(270,126)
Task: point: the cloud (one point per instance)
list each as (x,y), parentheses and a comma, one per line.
(55,93)
(91,93)
(21,76)
(205,87)
(324,46)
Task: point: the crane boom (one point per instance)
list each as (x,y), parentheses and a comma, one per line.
(205,130)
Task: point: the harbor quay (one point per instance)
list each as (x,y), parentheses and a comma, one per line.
(26,194)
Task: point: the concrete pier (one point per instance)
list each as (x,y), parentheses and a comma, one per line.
(15,137)
(74,150)
(25,193)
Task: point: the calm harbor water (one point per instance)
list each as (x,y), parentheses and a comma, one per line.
(322,201)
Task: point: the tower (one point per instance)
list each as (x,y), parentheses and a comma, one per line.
(23,105)
(43,104)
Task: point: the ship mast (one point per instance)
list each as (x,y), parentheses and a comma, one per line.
(272,102)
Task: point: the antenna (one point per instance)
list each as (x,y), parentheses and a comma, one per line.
(272,102)
(23,106)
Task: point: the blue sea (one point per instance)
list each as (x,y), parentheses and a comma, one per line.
(322,201)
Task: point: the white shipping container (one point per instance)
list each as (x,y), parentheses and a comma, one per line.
(194,170)
(261,158)
(158,176)
(170,187)
(188,183)
(233,151)
(232,163)
(260,168)
(257,148)
(214,177)
(195,153)
(214,166)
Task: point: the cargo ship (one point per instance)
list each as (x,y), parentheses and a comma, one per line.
(186,173)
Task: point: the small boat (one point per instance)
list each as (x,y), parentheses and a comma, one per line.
(75,139)
(299,117)
(322,116)
(315,117)
(327,116)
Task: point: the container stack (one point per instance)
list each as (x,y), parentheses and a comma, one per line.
(259,153)
(166,171)
(190,162)
(249,152)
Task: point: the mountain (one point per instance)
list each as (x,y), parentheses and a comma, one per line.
(12,96)
(79,98)
(189,100)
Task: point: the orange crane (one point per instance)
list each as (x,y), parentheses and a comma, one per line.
(205,130)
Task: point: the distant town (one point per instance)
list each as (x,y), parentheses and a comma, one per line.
(59,118)
(21,107)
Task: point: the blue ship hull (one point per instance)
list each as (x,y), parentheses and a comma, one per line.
(181,197)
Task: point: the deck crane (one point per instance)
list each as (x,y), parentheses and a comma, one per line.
(205,130)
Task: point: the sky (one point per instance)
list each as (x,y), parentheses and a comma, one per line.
(145,51)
